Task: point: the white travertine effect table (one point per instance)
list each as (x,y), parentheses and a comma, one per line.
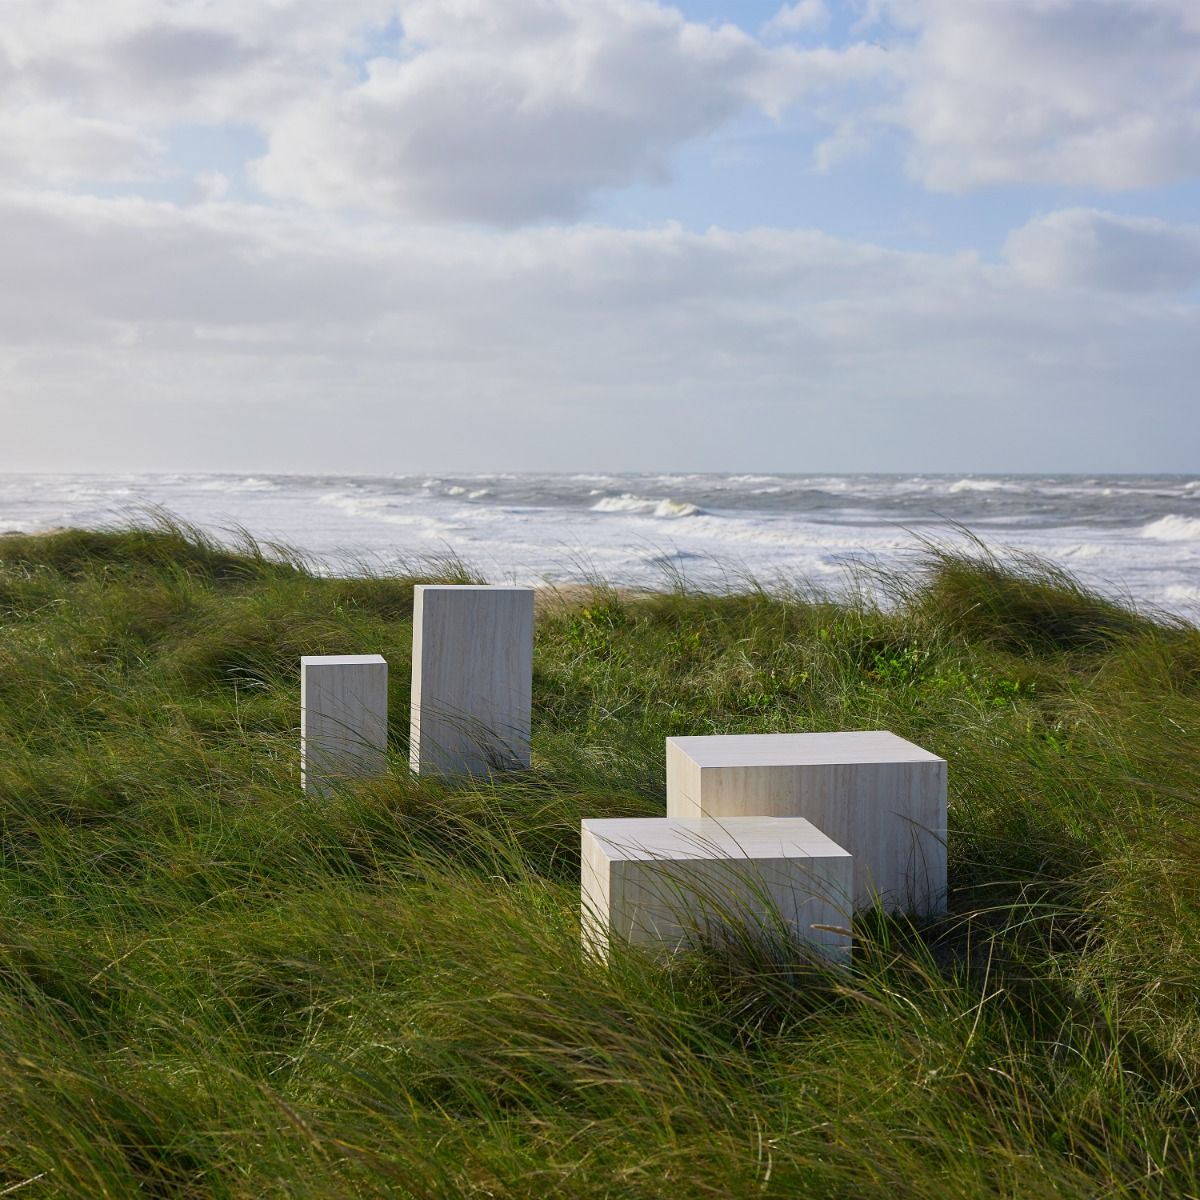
(472,679)
(879,796)
(343,719)
(658,883)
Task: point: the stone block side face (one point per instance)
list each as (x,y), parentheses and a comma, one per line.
(664,904)
(667,904)
(594,895)
(472,679)
(891,817)
(683,783)
(343,720)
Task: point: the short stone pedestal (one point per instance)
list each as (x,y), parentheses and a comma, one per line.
(879,796)
(343,719)
(662,883)
(472,679)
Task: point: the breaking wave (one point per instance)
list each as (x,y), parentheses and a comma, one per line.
(646,506)
(1173,528)
(979,485)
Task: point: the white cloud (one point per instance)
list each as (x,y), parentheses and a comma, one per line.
(493,110)
(404,335)
(46,141)
(805,16)
(91,87)
(210,186)
(1093,93)
(512,110)
(377,347)
(1081,247)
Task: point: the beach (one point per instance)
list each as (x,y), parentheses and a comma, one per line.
(1135,536)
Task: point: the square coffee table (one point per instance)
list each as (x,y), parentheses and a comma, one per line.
(877,795)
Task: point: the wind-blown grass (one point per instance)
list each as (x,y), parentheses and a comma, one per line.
(210,986)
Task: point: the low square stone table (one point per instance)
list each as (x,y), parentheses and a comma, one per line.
(879,796)
(661,883)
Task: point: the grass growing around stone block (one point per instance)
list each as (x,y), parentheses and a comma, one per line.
(212,986)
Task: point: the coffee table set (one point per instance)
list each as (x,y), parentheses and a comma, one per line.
(784,832)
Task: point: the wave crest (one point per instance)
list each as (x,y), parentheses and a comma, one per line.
(1173,528)
(647,506)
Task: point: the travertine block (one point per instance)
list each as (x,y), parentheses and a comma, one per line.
(879,796)
(659,883)
(472,679)
(343,719)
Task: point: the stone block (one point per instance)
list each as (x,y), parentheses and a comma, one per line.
(472,679)
(343,719)
(660,884)
(879,796)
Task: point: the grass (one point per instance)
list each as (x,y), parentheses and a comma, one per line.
(212,987)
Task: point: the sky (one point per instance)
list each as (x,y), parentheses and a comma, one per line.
(476,235)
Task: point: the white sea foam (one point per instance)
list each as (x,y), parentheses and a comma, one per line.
(239,483)
(1079,550)
(1134,534)
(379,509)
(354,505)
(665,507)
(972,485)
(1179,594)
(1173,528)
(980,485)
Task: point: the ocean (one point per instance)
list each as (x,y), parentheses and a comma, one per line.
(1136,536)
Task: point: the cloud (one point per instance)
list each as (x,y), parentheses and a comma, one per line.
(498,111)
(46,141)
(1085,248)
(514,110)
(1091,93)
(805,16)
(109,79)
(210,186)
(373,346)
(446,320)
(507,111)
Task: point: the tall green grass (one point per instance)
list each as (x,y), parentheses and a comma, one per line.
(210,986)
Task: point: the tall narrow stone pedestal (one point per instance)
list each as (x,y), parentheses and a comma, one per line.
(662,883)
(343,719)
(472,679)
(879,796)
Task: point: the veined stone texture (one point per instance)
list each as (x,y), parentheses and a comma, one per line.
(660,883)
(879,796)
(343,719)
(472,679)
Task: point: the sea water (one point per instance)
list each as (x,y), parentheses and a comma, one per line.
(1136,536)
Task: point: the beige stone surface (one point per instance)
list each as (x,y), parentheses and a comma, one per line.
(661,883)
(472,679)
(879,796)
(343,719)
